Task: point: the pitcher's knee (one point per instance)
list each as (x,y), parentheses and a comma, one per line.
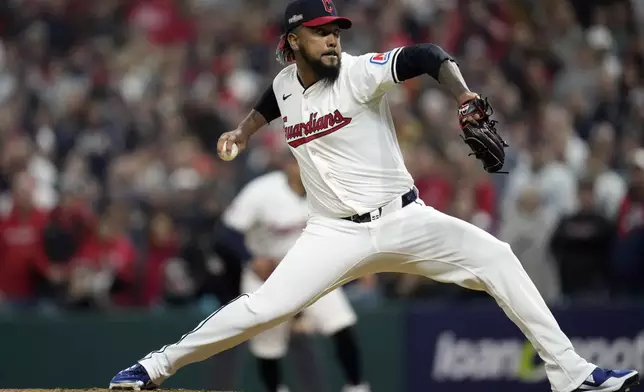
(265,310)
(499,254)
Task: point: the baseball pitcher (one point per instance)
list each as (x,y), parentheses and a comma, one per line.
(366,216)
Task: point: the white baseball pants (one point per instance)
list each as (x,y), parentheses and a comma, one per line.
(330,314)
(415,239)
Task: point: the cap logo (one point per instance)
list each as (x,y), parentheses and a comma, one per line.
(328,6)
(295,18)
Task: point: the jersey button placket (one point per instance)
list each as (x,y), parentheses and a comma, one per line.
(308,146)
(323,169)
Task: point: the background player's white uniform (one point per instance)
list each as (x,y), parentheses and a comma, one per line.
(272,216)
(345,143)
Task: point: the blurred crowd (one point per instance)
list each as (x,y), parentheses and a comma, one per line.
(110,189)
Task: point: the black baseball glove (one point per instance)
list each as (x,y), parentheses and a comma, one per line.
(479,133)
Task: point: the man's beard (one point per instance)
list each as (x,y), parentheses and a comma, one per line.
(328,74)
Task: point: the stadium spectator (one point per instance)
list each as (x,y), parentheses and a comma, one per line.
(610,187)
(24,268)
(162,248)
(628,258)
(70,225)
(631,212)
(582,244)
(102,273)
(527,227)
(554,181)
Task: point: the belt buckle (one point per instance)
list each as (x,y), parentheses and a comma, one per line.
(375,214)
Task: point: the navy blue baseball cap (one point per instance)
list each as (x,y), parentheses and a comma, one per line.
(312,13)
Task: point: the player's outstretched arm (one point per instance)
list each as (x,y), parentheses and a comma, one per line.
(431,59)
(265,111)
(474,113)
(449,75)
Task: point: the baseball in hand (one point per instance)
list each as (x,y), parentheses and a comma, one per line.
(233,153)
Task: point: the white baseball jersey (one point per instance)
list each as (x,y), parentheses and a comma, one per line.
(270,213)
(343,136)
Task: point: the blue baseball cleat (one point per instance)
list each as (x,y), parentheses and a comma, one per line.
(601,380)
(134,378)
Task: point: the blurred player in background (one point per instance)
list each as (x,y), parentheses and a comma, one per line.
(263,223)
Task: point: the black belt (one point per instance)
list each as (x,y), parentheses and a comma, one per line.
(407,199)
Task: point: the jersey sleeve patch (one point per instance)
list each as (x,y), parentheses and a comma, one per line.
(380,58)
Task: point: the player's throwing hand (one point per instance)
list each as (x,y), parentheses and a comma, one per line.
(228,139)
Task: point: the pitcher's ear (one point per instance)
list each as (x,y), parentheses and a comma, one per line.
(293,40)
